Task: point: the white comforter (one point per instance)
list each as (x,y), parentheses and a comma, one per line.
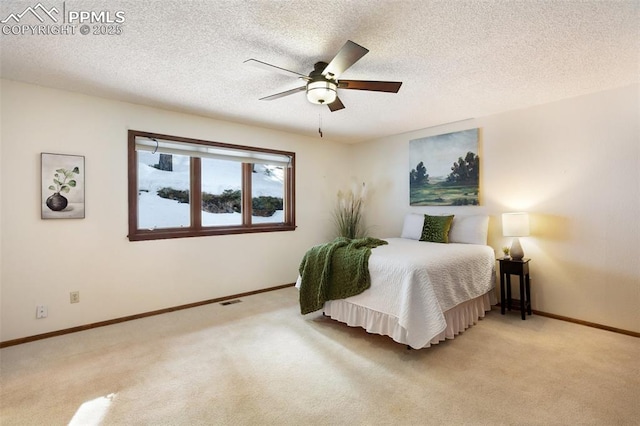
(416,282)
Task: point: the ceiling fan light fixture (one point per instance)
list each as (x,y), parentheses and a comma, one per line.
(322,92)
(321,85)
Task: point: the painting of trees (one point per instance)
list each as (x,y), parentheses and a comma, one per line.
(418,176)
(453,166)
(466,170)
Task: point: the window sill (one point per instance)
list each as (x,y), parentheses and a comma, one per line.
(163,234)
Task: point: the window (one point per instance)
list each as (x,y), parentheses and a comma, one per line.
(180,187)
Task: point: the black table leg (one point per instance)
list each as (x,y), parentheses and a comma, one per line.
(523,296)
(528,290)
(508,291)
(502,295)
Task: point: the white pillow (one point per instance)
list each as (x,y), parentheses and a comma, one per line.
(464,229)
(469,229)
(412,228)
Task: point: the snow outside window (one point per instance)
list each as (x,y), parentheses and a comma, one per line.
(267,193)
(163,195)
(221,192)
(181,187)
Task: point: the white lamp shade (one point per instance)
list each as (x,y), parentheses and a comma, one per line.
(515,224)
(321,92)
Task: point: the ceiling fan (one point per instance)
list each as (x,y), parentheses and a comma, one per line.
(322,83)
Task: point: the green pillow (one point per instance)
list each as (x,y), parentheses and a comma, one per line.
(436,228)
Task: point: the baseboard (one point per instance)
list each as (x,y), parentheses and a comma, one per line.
(515,305)
(134,317)
(587,323)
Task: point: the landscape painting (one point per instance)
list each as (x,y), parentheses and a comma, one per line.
(445,169)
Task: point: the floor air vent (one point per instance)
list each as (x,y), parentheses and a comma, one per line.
(230,302)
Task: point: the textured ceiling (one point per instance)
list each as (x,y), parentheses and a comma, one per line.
(456,59)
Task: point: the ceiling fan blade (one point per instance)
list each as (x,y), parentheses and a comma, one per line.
(348,55)
(283,94)
(336,105)
(266,66)
(376,86)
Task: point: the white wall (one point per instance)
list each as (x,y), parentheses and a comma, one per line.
(575,166)
(43,260)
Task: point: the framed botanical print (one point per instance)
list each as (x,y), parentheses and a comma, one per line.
(62,179)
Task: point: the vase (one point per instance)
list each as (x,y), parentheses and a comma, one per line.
(57,202)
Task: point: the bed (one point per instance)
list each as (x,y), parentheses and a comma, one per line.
(423,292)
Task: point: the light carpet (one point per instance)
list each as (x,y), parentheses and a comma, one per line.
(260,362)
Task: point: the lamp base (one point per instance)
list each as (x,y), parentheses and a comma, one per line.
(516,250)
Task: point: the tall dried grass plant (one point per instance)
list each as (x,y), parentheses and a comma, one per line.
(348,213)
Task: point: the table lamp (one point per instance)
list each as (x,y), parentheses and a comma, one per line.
(515,225)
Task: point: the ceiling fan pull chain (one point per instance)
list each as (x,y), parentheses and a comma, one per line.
(320,123)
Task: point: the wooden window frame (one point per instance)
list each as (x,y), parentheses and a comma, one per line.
(196,229)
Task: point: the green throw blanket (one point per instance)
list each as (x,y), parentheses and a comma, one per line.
(335,270)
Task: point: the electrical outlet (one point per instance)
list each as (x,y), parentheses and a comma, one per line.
(74,297)
(41,311)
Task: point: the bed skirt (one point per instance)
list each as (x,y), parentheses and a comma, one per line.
(458,319)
